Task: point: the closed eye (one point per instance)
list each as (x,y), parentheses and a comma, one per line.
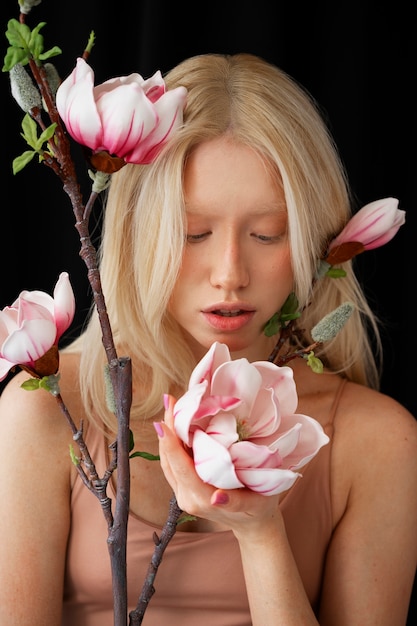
(198,237)
(267,238)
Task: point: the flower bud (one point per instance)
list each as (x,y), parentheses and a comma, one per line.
(24,91)
(332,323)
(26,5)
(53,77)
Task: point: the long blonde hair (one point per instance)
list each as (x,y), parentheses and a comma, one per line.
(258,105)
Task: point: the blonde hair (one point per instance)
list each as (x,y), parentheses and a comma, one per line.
(258,105)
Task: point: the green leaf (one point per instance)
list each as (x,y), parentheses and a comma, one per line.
(185,517)
(18,34)
(53,52)
(13,57)
(131,440)
(36,41)
(290,305)
(46,134)
(336,272)
(273,326)
(74,458)
(288,312)
(21,161)
(30,134)
(26,44)
(50,383)
(315,363)
(145,455)
(31,384)
(286,317)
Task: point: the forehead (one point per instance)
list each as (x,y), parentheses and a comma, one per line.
(223,172)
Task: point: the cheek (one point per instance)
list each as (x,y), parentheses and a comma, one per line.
(281,269)
(187,276)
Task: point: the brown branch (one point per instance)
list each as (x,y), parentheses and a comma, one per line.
(161,543)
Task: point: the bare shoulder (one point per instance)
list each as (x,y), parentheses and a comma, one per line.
(374,457)
(361,414)
(37,413)
(372,414)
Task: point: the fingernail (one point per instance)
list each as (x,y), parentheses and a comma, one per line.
(166,401)
(219,497)
(159,429)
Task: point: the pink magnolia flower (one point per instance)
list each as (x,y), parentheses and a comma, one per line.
(239,420)
(371,227)
(128,117)
(33,324)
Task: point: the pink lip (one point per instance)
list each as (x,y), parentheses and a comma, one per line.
(228,323)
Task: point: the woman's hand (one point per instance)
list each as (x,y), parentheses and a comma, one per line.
(273,584)
(241,510)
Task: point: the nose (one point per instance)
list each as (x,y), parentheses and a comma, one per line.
(230,269)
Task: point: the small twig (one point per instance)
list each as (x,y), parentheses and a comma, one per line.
(161,544)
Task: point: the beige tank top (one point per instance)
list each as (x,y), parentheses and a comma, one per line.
(200,581)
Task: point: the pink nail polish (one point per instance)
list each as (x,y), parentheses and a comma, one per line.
(219,497)
(166,401)
(159,429)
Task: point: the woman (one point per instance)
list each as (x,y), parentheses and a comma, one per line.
(204,245)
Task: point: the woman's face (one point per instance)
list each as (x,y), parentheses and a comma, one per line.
(236,270)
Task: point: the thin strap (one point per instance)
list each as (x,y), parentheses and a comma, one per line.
(335,403)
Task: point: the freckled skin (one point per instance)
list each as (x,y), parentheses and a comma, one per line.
(237,252)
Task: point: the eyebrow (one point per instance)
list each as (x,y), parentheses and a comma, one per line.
(275,209)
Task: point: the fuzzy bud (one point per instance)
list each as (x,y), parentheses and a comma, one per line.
(24,91)
(110,399)
(101,180)
(332,323)
(26,5)
(53,77)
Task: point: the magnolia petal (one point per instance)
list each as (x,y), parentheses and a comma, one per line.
(35,301)
(238,379)
(64,304)
(127,117)
(213,463)
(154,87)
(191,412)
(169,109)
(281,380)
(373,225)
(214,357)
(223,428)
(246,454)
(185,409)
(30,342)
(12,317)
(287,441)
(76,106)
(113,83)
(386,237)
(29,309)
(268,482)
(262,419)
(8,323)
(211,405)
(311,437)
(5,367)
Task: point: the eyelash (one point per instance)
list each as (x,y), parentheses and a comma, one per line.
(262,238)
(197,238)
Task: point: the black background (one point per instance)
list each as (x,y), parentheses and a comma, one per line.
(357,58)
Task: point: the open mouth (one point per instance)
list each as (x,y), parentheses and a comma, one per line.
(225,313)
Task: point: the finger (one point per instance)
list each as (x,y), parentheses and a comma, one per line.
(169,402)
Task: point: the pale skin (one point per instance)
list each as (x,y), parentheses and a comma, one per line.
(237,251)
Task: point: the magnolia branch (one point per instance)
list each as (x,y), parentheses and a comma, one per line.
(58,157)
